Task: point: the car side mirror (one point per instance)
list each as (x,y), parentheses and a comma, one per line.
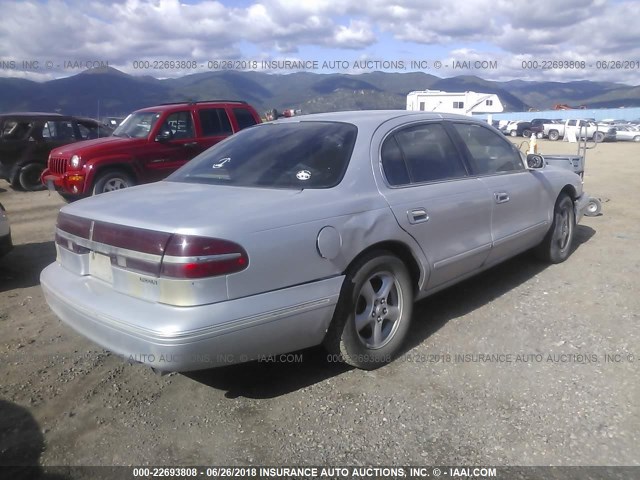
(535,161)
(164,136)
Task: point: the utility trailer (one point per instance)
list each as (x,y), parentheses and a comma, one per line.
(576,163)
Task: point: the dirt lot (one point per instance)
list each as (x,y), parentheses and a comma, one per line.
(64,401)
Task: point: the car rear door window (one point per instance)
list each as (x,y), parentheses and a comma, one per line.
(428,152)
(490,153)
(61,130)
(393,163)
(88,131)
(244,118)
(214,122)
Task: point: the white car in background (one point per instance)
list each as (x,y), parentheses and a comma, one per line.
(627,134)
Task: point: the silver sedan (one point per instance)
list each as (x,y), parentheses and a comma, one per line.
(316,229)
(627,134)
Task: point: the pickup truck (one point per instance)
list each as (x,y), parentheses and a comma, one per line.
(147,146)
(582,128)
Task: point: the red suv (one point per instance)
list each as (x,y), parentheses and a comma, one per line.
(146,147)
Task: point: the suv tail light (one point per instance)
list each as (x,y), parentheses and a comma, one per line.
(188,256)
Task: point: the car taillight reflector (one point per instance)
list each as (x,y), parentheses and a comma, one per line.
(188,256)
(78,226)
(70,245)
(136,265)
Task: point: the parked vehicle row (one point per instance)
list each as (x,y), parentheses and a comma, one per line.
(187,273)
(605,131)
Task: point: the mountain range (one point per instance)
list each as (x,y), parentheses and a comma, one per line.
(109,92)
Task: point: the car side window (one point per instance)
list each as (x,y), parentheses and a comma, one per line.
(87,130)
(61,130)
(214,121)
(491,153)
(393,163)
(244,118)
(180,124)
(429,153)
(16,130)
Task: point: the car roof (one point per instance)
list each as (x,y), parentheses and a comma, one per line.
(33,115)
(370,117)
(172,106)
(89,119)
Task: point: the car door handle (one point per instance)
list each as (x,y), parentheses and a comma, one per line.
(190,144)
(501,197)
(417,215)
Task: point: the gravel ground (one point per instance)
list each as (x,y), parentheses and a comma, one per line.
(551,398)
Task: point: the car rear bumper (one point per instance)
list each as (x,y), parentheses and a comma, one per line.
(192,338)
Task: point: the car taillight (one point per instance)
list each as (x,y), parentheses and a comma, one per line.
(81,227)
(130,238)
(152,252)
(188,256)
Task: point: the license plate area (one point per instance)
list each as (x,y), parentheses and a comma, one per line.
(100,267)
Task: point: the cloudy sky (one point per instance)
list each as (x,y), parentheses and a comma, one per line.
(498,39)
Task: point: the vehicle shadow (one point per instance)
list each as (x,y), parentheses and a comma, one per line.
(479,290)
(21,444)
(272,377)
(22,266)
(287,373)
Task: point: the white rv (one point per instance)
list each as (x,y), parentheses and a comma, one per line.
(464,103)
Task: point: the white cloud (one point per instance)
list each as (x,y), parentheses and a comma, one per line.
(505,30)
(357,35)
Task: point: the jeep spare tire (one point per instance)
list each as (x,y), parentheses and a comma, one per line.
(29,177)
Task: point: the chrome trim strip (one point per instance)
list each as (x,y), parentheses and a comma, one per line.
(201,259)
(461,256)
(519,233)
(109,249)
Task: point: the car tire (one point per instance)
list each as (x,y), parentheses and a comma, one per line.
(636,138)
(112,180)
(513,133)
(598,137)
(540,135)
(29,177)
(373,313)
(526,133)
(556,245)
(554,135)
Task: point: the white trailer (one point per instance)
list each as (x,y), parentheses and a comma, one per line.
(464,103)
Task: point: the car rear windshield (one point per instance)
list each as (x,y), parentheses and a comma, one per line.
(280,155)
(137,125)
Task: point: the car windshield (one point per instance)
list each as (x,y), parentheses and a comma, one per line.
(280,155)
(137,125)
